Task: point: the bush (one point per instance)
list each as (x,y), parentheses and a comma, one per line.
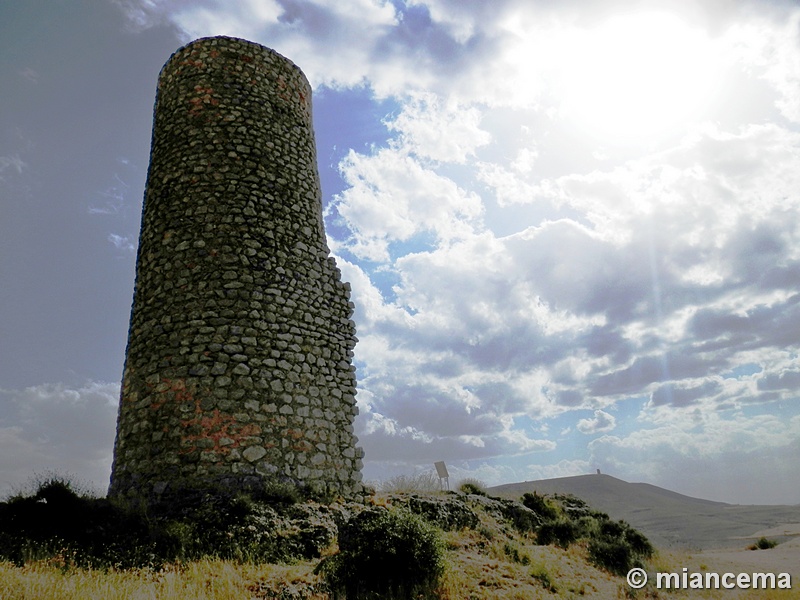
(640,545)
(522,518)
(226,527)
(385,554)
(50,482)
(614,555)
(763,544)
(540,505)
(561,532)
(612,545)
(53,520)
(472,486)
(514,553)
(541,574)
(618,547)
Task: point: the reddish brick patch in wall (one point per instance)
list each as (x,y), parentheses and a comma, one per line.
(219,427)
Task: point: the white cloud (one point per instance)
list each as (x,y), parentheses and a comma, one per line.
(563,468)
(431,129)
(738,458)
(508,186)
(586,314)
(463,20)
(334,42)
(771,49)
(601,422)
(11,163)
(122,242)
(601,272)
(392,198)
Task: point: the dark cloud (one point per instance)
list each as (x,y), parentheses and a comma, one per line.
(681,396)
(439,412)
(569,398)
(761,326)
(647,370)
(606,340)
(783,380)
(383,441)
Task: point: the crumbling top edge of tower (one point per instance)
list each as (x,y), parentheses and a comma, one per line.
(227,38)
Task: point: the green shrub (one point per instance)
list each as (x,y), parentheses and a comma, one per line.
(448,513)
(53,520)
(640,545)
(282,493)
(612,545)
(576,508)
(763,544)
(618,547)
(514,553)
(540,505)
(540,574)
(561,532)
(472,486)
(614,555)
(238,527)
(385,554)
(50,482)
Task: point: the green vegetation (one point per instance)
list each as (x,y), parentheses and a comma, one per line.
(275,543)
(386,554)
(58,520)
(540,505)
(763,544)
(612,545)
(540,574)
(513,552)
(472,486)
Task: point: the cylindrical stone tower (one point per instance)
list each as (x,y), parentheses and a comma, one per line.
(238,369)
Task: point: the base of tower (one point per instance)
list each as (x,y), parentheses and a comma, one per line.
(165,496)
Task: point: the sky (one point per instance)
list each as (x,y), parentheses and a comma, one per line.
(571,229)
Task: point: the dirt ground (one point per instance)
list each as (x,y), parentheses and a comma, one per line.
(783,558)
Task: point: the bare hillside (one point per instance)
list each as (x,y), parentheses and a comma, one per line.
(669,519)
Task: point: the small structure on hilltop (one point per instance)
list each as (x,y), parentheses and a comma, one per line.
(238,370)
(444,476)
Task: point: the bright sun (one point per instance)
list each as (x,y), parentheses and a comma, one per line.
(637,76)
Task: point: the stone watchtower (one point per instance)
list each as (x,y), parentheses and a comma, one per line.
(238,369)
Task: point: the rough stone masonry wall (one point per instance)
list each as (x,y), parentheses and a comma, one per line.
(239,361)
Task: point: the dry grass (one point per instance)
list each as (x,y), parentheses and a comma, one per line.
(478,569)
(482,564)
(424,483)
(206,579)
(516,568)
(485,563)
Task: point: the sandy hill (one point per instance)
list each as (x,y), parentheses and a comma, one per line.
(669,519)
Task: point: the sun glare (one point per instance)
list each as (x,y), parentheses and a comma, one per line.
(637,76)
